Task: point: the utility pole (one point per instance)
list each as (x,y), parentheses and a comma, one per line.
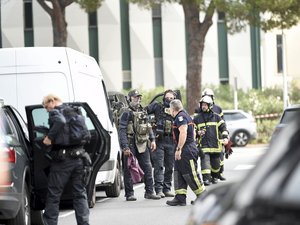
(284,72)
(235,97)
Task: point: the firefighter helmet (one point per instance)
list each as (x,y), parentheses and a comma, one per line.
(208,92)
(208,100)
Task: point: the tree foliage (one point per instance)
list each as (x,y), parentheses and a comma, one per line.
(266,14)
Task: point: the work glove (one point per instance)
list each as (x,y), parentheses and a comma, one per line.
(228,149)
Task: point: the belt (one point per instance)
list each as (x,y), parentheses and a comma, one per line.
(73,152)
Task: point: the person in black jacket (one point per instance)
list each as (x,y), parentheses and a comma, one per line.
(134,133)
(218,110)
(163,155)
(211,134)
(64,167)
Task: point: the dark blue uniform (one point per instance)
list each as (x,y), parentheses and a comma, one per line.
(163,157)
(185,169)
(61,171)
(127,140)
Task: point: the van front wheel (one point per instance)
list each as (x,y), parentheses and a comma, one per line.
(114,190)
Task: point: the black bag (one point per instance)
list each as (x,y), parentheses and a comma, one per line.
(75,126)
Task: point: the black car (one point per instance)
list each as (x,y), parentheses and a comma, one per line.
(269,194)
(287,116)
(26,161)
(16,154)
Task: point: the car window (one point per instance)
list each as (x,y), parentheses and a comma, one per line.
(7,127)
(22,123)
(289,115)
(233,116)
(41,116)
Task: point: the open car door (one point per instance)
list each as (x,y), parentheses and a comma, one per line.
(98,149)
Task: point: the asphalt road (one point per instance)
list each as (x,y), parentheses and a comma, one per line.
(117,211)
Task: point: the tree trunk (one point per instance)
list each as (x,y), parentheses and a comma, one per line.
(58,18)
(196,33)
(59,25)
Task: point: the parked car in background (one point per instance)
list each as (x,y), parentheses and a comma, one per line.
(268,194)
(241,126)
(287,116)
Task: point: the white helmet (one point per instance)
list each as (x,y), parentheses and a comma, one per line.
(208,100)
(208,92)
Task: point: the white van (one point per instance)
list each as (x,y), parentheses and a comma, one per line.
(28,74)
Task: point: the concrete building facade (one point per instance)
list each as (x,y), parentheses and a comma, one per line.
(140,48)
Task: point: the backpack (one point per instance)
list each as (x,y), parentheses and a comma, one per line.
(75,128)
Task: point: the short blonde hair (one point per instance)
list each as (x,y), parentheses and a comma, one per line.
(50,97)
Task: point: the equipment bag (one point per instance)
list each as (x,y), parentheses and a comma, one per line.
(78,133)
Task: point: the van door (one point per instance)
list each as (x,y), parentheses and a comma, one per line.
(98,149)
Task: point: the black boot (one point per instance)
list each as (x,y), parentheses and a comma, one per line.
(206,179)
(214,180)
(221,177)
(175,202)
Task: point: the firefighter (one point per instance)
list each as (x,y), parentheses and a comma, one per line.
(216,109)
(186,156)
(211,134)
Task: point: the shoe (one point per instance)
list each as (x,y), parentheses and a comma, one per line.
(175,202)
(131,198)
(169,194)
(214,180)
(151,196)
(206,182)
(162,195)
(221,177)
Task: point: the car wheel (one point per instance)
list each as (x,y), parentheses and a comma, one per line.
(114,189)
(23,216)
(240,138)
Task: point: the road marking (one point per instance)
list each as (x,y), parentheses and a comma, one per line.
(243,167)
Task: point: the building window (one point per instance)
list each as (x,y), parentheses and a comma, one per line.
(279,53)
(221,16)
(28,24)
(157,45)
(223,49)
(125,42)
(93,35)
